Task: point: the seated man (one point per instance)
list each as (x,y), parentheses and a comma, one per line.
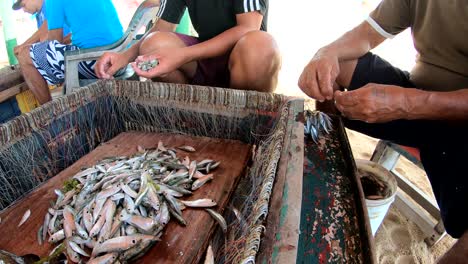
(232,50)
(426,109)
(93,23)
(38,8)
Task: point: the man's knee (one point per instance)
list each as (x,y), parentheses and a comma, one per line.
(160,40)
(257,50)
(24,56)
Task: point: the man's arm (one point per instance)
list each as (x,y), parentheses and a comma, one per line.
(56,34)
(225,41)
(377,103)
(67,39)
(319,76)
(110,62)
(353,44)
(169,60)
(437,105)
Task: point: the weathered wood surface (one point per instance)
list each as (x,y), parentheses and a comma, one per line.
(178,244)
(335,227)
(280,241)
(10,76)
(12,91)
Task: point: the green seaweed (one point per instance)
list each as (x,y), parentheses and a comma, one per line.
(70,185)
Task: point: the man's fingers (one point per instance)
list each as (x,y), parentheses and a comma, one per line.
(346,98)
(112,69)
(325,82)
(306,85)
(101,66)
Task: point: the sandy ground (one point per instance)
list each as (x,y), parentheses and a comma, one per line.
(300,28)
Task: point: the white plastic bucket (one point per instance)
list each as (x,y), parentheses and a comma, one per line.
(377,209)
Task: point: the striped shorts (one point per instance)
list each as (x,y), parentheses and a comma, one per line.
(48,58)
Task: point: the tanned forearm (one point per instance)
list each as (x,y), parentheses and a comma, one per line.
(353,44)
(67,39)
(55,34)
(437,105)
(218,45)
(160,25)
(225,41)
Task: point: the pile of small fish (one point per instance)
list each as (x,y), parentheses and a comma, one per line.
(316,124)
(147,65)
(113,212)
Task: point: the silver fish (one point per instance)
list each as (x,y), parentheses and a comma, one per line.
(187,148)
(57,236)
(25,217)
(219,218)
(200,203)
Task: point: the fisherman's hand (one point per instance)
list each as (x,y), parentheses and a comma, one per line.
(109,63)
(17,49)
(168,61)
(318,77)
(373,103)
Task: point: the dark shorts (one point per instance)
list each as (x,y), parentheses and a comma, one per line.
(212,71)
(443,145)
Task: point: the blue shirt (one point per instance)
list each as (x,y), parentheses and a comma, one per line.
(41,17)
(93,23)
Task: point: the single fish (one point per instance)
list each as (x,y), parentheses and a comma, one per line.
(88,217)
(69,221)
(119,244)
(172,203)
(187,148)
(177,216)
(219,218)
(199,203)
(25,217)
(192,168)
(144,223)
(209,259)
(77,249)
(200,182)
(161,146)
(129,191)
(104,259)
(39,236)
(72,255)
(45,226)
(81,231)
(57,236)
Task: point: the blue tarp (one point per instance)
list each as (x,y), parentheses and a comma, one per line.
(8,110)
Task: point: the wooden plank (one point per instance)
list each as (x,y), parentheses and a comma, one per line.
(13,91)
(415,214)
(280,241)
(417,195)
(179,244)
(10,76)
(288,236)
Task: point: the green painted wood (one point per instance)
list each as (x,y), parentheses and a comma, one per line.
(334,223)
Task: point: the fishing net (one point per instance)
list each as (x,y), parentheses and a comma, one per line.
(36,146)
